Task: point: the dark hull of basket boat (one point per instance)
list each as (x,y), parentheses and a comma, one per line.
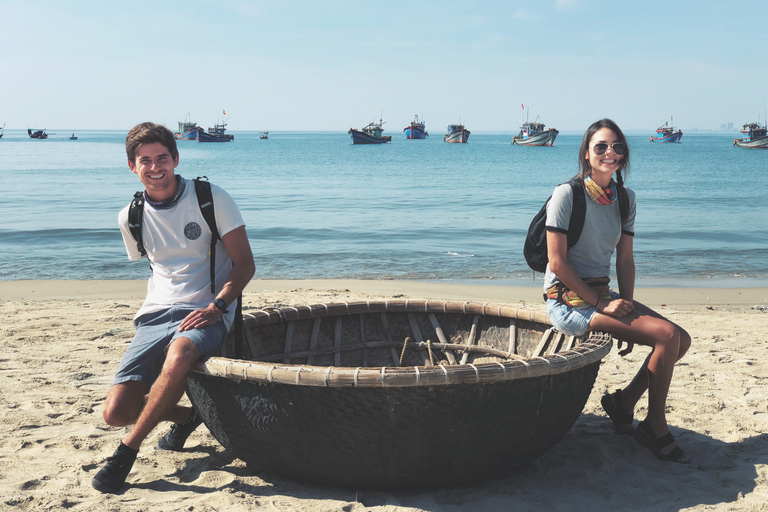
(402,425)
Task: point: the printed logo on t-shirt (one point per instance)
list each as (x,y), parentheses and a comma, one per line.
(193,231)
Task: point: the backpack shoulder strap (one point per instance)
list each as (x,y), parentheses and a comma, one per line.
(578,212)
(623,199)
(135,221)
(205,201)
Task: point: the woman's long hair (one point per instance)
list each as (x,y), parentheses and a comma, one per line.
(585,169)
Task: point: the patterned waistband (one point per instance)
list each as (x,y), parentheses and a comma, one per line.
(561,293)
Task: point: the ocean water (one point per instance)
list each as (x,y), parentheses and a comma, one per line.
(317,206)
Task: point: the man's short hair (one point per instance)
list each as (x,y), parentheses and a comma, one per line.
(149,133)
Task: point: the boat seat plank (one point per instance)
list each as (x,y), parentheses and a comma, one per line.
(288,341)
(337,342)
(542,343)
(362,339)
(470,339)
(555,345)
(393,352)
(512,336)
(313,338)
(441,337)
(418,337)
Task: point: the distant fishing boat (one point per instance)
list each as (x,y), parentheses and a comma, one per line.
(72,137)
(666,133)
(534,134)
(215,134)
(753,136)
(416,130)
(264,135)
(456,133)
(2,130)
(370,134)
(37,134)
(187,130)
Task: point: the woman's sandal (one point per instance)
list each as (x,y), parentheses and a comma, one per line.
(645,436)
(614,408)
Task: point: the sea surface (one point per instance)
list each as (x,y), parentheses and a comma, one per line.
(317,206)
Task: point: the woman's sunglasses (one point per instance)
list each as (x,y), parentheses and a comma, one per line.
(618,147)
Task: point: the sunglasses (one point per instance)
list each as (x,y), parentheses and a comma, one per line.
(618,147)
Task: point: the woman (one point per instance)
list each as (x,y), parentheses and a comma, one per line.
(578,296)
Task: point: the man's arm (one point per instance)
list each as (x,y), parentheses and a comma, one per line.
(239,250)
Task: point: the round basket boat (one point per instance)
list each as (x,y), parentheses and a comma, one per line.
(385,395)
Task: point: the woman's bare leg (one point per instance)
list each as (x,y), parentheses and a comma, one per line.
(668,342)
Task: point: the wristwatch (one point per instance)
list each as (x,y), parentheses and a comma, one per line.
(221,305)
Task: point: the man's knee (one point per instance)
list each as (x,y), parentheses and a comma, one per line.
(124,403)
(182,354)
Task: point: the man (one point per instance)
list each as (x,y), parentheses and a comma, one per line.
(181,319)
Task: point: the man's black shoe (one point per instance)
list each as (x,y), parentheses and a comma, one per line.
(177,436)
(112,476)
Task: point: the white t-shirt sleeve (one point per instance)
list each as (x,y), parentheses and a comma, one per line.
(228,216)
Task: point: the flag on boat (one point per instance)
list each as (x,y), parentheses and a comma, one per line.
(224,112)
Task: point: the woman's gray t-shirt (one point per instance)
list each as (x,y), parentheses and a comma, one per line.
(591,256)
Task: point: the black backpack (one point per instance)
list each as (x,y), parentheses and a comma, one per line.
(205,201)
(535,248)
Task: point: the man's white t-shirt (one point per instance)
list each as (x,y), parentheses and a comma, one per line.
(177,241)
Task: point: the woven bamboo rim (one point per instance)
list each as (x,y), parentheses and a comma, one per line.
(566,353)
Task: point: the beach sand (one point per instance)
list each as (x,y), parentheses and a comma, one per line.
(62,342)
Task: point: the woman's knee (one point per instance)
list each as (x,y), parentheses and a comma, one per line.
(667,336)
(685,342)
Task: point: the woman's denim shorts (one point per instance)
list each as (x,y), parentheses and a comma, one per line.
(144,357)
(569,320)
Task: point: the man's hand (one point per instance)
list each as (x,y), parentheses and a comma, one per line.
(200,318)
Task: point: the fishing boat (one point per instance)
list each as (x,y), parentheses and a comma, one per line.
(416,130)
(264,135)
(370,134)
(456,133)
(753,136)
(395,394)
(534,134)
(215,134)
(72,137)
(2,130)
(666,133)
(37,134)
(187,130)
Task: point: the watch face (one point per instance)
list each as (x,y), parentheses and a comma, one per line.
(219,303)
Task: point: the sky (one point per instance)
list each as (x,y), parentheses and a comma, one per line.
(331,65)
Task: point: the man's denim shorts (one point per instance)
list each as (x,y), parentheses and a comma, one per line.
(145,356)
(572,321)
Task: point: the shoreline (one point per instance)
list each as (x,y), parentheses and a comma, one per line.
(667,296)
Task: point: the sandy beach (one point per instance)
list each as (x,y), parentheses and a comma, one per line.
(62,342)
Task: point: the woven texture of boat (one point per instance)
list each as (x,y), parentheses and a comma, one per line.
(395,394)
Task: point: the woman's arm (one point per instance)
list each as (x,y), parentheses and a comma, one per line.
(625,267)
(557,248)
